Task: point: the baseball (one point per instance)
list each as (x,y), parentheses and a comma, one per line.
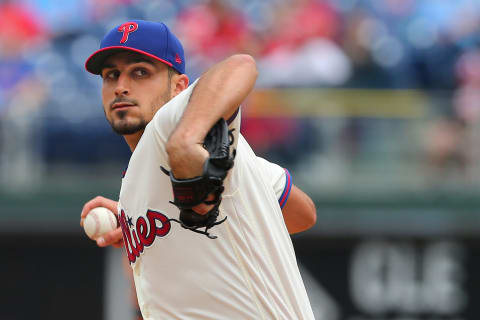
(99,221)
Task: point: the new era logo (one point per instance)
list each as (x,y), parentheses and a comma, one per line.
(178,59)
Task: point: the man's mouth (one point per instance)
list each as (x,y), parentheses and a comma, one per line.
(122,105)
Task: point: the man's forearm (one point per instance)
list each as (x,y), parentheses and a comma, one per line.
(218,93)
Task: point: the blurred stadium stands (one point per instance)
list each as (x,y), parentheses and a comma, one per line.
(372,105)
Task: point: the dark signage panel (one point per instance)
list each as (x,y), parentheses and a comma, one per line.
(391,279)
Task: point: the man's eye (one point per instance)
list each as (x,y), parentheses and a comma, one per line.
(110,75)
(140,72)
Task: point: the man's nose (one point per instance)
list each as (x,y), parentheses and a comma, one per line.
(122,87)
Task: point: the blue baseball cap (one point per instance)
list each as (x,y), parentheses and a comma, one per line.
(152,39)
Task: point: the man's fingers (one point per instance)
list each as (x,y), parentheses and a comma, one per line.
(95,202)
(110,238)
(115,237)
(98,201)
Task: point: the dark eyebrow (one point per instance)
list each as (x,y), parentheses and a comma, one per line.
(138,59)
(107,65)
(130,60)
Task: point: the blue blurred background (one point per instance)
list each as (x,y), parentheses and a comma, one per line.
(373,105)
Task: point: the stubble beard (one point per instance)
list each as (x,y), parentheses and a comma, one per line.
(123,126)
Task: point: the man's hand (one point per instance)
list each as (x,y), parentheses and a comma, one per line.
(115,237)
(186,160)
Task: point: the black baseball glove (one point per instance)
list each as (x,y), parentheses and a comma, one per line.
(188,193)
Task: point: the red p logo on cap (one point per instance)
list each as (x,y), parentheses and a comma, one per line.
(127,28)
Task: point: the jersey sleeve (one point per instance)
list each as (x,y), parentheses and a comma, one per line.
(279,178)
(167,117)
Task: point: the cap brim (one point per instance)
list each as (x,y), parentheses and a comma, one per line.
(95,62)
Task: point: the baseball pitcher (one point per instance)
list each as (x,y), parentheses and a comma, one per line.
(204,222)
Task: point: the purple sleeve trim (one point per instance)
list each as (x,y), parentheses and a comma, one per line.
(286,191)
(234,115)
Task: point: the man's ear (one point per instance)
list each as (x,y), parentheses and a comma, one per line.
(179,83)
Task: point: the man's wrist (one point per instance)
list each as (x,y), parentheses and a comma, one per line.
(186,161)
(179,142)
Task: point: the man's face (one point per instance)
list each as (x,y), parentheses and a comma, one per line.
(134,88)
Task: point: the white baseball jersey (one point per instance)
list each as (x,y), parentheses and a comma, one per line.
(248,272)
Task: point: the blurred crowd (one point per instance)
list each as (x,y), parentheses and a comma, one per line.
(398,44)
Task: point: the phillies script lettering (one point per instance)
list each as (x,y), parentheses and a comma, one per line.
(143,233)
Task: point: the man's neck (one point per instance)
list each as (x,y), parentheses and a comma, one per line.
(132,139)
